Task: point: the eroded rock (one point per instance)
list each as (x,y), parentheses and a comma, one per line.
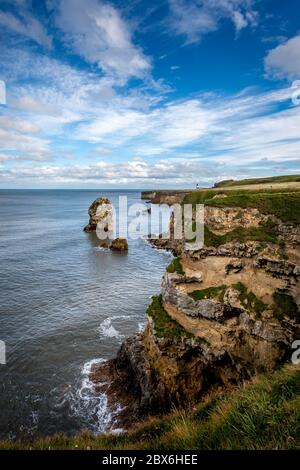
(235,266)
(119,244)
(101,215)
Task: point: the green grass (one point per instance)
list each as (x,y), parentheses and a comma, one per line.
(263,233)
(284,305)
(264,414)
(249,299)
(216,292)
(175,266)
(268,180)
(165,326)
(284,204)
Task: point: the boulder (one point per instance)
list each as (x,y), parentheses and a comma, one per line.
(119,244)
(234,266)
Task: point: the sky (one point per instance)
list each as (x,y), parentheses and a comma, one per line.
(147,94)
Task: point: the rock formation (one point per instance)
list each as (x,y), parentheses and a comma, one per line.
(99,210)
(119,244)
(101,222)
(226,312)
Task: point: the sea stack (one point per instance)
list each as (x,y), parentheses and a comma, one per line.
(100,211)
(102,222)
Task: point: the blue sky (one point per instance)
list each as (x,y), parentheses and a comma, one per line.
(142,94)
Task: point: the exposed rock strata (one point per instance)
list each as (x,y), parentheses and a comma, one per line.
(226,302)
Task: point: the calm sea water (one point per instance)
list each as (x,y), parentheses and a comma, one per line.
(64,303)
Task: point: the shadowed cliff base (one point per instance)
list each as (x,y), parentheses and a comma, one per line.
(262,414)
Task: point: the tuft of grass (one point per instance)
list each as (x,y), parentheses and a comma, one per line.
(249,299)
(175,266)
(165,326)
(216,292)
(263,414)
(284,204)
(284,305)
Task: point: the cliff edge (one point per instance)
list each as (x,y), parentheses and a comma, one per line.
(225,312)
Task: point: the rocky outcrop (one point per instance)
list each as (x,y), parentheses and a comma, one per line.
(206,308)
(119,244)
(101,222)
(278,268)
(232,249)
(150,375)
(100,210)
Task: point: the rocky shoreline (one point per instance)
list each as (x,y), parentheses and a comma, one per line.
(225,313)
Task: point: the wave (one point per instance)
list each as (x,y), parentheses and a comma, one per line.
(102,248)
(108,330)
(91,406)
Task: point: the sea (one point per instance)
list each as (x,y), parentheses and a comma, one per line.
(65,303)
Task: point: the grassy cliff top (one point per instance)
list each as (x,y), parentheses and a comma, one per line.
(264,414)
(250,181)
(282,203)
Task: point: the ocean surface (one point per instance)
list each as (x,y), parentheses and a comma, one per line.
(64,304)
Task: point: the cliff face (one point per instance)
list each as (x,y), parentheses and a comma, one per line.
(165,196)
(225,312)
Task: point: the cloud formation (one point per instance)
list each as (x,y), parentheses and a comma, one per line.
(284,60)
(25,24)
(97,32)
(77,115)
(193,19)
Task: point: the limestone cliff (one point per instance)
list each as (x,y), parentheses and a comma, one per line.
(225,312)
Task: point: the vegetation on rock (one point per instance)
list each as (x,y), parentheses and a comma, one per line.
(216,292)
(164,325)
(284,203)
(264,233)
(249,299)
(284,305)
(248,181)
(175,266)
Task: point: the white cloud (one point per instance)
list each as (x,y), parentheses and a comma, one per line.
(73,108)
(193,19)
(26,25)
(20,136)
(135,171)
(32,105)
(4,157)
(284,60)
(103,151)
(171,126)
(96,31)
(239,20)
(19,125)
